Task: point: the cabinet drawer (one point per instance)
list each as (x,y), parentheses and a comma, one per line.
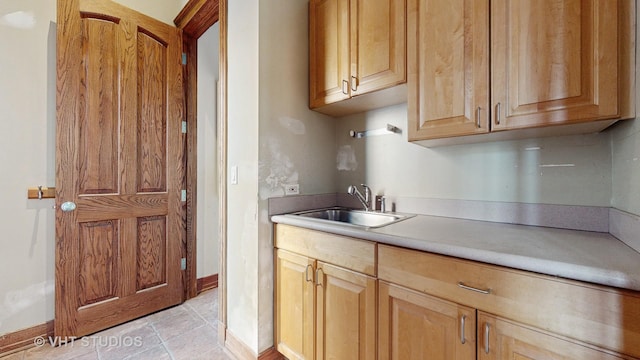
(350,253)
(599,315)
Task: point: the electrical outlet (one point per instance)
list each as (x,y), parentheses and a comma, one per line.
(291,189)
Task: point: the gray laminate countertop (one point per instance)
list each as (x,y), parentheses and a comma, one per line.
(580,255)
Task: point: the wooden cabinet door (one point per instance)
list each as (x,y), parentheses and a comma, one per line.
(553,62)
(346,314)
(329,51)
(378,46)
(295,302)
(500,339)
(415,326)
(448,68)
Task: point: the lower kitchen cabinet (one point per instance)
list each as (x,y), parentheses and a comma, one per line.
(295,293)
(502,339)
(424,298)
(415,326)
(345,314)
(324,310)
(418,326)
(340,297)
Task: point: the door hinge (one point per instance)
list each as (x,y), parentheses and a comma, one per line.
(184,127)
(183,264)
(184,58)
(183,195)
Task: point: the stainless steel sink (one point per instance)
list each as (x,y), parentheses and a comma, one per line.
(353,217)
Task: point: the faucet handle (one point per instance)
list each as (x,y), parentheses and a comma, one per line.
(367,192)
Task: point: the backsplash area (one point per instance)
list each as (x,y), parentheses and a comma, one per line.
(566,170)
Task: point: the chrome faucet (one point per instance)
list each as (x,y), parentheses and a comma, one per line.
(366,199)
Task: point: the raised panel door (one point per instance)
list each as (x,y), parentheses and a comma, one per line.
(448,68)
(120,160)
(553,62)
(345,314)
(295,301)
(501,339)
(378,45)
(416,326)
(329,51)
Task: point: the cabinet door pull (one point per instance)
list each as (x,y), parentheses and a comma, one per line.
(354,83)
(345,87)
(318,282)
(478,117)
(306,273)
(486,338)
(462,321)
(466,287)
(498,109)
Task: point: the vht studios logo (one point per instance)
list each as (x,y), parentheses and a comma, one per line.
(102,341)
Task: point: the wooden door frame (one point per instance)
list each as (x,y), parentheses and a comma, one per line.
(194,19)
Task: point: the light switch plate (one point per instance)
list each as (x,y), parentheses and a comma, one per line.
(234,175)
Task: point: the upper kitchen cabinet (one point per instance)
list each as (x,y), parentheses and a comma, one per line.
(557,67)
(448,68)
(553,62)
(357,55)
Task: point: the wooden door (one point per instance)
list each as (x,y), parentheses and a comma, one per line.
(500,339)
(120,161)
(329,64)
(345,314)
(553,62)
(295,301)
(378,45)
(448,68)
(415,326)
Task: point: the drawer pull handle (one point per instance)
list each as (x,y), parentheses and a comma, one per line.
(345,87)
(466,287)
(462,320)
(478,124)
(486,338)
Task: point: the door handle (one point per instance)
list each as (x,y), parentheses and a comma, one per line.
(68,206)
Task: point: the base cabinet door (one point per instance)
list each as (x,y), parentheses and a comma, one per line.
(346,314)
(416,326)
(323,311)
(502,339)
(295,301)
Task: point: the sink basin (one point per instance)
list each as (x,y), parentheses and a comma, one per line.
(353,217)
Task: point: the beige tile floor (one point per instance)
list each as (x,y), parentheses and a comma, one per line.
(187,331)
